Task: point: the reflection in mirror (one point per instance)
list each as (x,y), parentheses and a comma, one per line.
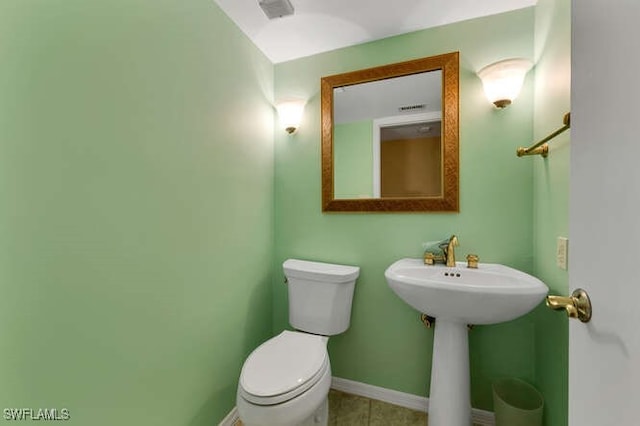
(390,137)
(386,137)
(410,160)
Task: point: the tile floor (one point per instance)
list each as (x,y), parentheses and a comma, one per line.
(352,410)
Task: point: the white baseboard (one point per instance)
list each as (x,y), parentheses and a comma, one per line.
(231,419)
(394,397)
(407,400)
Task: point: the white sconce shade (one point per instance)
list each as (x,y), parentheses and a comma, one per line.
(290,113)
(503,80)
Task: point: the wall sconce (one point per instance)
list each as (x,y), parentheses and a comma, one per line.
(503,80)
(290,113)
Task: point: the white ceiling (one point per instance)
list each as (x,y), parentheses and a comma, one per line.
(323,25)
(383,98)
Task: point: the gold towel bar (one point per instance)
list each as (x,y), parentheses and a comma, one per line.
(542,148)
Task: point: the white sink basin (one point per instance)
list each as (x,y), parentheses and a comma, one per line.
(458,296)
(490,294)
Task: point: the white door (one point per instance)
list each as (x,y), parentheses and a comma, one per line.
(604,218)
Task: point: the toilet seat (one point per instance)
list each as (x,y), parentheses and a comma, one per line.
(283,367)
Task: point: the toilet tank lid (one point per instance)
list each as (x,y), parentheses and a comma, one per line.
(295,268)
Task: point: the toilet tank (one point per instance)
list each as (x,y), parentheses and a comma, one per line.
(320,295)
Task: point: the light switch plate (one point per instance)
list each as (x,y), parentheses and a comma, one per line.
(561,252)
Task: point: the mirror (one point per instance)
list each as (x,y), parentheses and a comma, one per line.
(390,137)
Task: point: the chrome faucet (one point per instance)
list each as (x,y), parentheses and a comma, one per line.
(449,251)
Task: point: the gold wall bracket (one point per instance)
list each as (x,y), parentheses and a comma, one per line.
(539,150)
(541,147)
(427,320)
(430,321)
(578,305)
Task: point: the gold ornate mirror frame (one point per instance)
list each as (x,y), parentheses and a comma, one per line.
(449,199)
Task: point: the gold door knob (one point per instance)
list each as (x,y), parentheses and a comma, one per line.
(577,305)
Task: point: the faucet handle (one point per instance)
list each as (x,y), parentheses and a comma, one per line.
(472,261)
(431,259)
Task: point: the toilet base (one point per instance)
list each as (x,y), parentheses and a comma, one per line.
(320,417)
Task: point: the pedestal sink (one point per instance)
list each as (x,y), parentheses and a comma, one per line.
(457,296)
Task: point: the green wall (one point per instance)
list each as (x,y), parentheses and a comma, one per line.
(136,184)
(137,252)
(353,159)
(551,197)
(386,345)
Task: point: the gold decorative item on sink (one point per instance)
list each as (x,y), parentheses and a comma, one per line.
(472,261)
(432,259)
(449,252)
(446,247)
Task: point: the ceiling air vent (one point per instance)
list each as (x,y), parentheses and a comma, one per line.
(408,108)
(276,8)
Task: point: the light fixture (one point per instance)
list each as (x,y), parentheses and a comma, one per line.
(290,113)
(503,80)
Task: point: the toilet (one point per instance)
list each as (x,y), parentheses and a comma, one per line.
(286,380)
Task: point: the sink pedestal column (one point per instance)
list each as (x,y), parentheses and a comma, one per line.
(449,399)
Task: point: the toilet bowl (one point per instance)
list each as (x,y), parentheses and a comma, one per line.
(286,380)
